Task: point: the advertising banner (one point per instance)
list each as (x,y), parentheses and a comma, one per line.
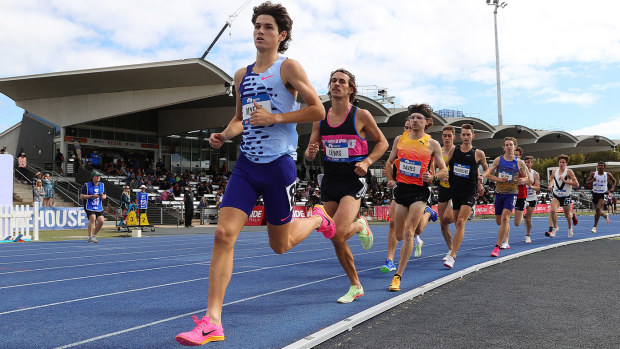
(257,217)
(58,218)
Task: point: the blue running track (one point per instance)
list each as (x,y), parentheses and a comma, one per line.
(141,292)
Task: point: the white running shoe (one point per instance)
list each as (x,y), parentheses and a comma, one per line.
(449,263)
(447,255)
(607,218)
(528,240)
(570,233)
(553,232)
(504,246)
(593,230)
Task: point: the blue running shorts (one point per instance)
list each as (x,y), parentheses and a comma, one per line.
(275,180)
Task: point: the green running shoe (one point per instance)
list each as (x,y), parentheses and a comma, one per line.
(418,249)
(353,293)
(365,235)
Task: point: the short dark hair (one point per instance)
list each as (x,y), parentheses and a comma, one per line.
(280,15)
(467,127)
(564,156)
(602,163)
(529,157)
(520,150)
(423,109)
(448,128)
(352,83)
(514,140)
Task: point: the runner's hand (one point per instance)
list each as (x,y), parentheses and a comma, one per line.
(217,140)
(361,168)
(261,117)
(313,149)
(391,184)
(427,177)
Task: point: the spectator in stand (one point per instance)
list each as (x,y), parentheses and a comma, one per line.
(22,162)
(37,177)
(59,159)
(38,193)
(204,203)
(224,172)
(176,189)
(48,185)
(162,197)
(149,187)
(3,150)
(95,159)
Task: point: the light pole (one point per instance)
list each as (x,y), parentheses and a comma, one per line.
(500,117)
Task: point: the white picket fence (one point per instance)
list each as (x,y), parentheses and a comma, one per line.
(19,220)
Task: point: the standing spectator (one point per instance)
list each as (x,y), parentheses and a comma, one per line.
(38,193)
(48,185)
(188,201)
(95,159)
(37,177)
(21,167)
(125,199)
(59,160)
(142,199)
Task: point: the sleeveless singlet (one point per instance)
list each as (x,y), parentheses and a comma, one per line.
(531,193)
(463,171)
(412,159)
(342,145)
(510,170)
(264,144)
(94,204)
(599,185)
(561,189)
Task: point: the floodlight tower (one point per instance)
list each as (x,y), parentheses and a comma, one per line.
(497,4)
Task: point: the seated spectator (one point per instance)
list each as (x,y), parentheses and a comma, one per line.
(162,197)
(149,187)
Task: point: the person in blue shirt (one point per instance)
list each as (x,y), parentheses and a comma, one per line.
(95,159)
(93,193)
(142,199)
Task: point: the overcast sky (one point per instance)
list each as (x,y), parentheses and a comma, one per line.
(560,60)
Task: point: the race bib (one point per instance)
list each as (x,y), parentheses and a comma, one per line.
(248,106)
(506,175)
(338,152)
(531,192)
(461,170)
(599,187)
(560,192)
(410,168)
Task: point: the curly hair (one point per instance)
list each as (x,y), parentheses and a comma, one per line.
(280,15)
(352,83)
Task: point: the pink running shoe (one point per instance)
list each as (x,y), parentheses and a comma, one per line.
(204,332)
(495,252)
(328,227)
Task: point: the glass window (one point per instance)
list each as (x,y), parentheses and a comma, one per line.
(142,138)
(108,122)
(132,122)
(108,135)
(130,137)
(81,132)
(119,136)
(120,121)
(96,134)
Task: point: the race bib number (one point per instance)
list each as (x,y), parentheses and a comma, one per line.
(337,151)
(531,192)
(95,202)
(461,170)
(560,192)
(599,187)
(410,168)
(248,106)
(506,175)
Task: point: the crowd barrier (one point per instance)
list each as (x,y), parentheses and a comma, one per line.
(377,213)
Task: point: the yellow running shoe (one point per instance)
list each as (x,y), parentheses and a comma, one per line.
(395,285)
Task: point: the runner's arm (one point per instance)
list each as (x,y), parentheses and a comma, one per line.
(488,173)
(612,180)
(313,143)
(370,128)
(235,126)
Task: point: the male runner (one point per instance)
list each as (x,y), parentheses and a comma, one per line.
(267,113)
(532,197)
(343,135)
(562,181)
(93,193)
(600,181)
(463,163)
(446,215)
(520,203)
(508,167)
(429,214)
(412,155)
